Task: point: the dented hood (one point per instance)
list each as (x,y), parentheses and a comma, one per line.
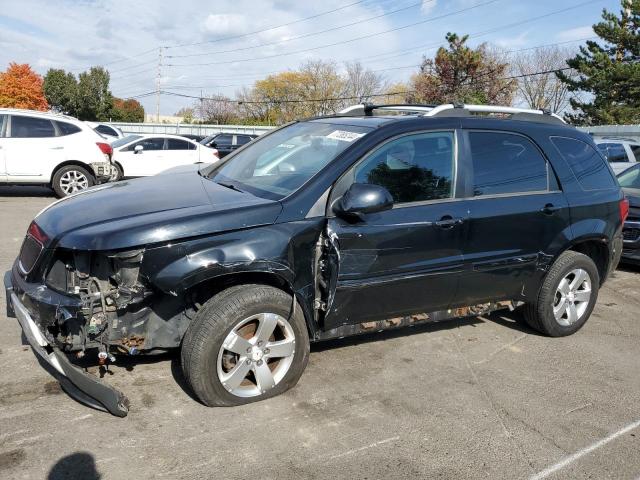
(152,210)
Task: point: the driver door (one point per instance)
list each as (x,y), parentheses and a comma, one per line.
(407,259)
(145,162)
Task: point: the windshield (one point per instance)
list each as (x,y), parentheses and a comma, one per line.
(630,178)
(277,165)
(124,140)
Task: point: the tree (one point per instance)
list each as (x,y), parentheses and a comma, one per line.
(608,73)
(463,74)
(127,111)
(217,109)
(543,91)
(21,87)
(187,113)
(61,90)
(94,100)
(362,83)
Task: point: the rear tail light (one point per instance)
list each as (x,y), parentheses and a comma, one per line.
(36,232)
(106,149)
(216,154)
(624,209)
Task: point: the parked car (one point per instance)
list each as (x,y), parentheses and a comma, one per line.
(195,138)
(621,152)
(630,182)
(52,150)
(144,155)
(226,143)
(375,222)
(110,132)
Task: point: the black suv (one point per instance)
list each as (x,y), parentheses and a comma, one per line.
(379,218)
(226,143)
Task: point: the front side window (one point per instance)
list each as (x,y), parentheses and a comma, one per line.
(223,140)
(3,125)
(505,163)
(413,168)
(149,144)
(587,165)
(614,152)
(31,127)
(175,144)
(242,139)
(630,178)
(281,162)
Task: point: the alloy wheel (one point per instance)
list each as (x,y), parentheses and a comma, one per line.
(73,181)
(256,355)
(572,297)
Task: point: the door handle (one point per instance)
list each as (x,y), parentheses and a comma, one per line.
(549,209)
(448,222)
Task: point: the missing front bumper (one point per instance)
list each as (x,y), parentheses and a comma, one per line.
(79,385)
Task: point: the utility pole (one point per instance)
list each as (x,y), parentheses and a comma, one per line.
(158,85)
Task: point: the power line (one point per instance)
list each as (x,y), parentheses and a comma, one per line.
(306,35)
(422,22)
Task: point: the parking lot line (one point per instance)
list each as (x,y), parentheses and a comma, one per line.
(585,451)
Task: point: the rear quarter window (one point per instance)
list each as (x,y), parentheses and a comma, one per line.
(588,166)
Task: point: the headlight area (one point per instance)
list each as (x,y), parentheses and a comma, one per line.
(120,312)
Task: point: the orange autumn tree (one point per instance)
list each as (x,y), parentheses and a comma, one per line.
(21,87)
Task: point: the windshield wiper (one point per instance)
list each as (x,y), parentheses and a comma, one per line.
(231,186)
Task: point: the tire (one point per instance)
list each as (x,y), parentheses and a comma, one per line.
(118,174)
(224,341)
(552,313)
(71,179)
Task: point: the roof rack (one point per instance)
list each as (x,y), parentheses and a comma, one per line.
(456,110)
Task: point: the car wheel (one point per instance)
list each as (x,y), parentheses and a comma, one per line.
(244,345)
(117,174)
(567,297)
(71,179)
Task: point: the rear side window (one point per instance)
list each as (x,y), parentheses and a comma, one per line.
(106,130)
(175,144)
(614,152)
(585,162)
(413,168)
(636,151)
(65,128)
(31,127)
(506,163)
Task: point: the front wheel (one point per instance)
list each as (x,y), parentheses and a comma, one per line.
(245,344)
(567,297)
(71,179)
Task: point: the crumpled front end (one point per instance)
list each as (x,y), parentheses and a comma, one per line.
(73,304)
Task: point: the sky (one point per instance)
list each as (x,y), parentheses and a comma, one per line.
(217,47)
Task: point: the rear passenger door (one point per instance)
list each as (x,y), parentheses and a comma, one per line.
(180,152)
(516,213)
(31,149)
(224,144)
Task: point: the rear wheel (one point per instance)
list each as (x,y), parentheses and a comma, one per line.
(117,174)
(567,297)
(71,179)
(245,345)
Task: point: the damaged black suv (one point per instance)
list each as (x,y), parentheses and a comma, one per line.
(381,217)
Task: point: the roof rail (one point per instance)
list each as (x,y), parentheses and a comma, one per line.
(516,112)
(457,109)
(367,109)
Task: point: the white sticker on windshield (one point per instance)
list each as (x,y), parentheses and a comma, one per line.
(344,135)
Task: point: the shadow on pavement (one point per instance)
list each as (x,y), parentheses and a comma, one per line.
(26,191)
(79,465)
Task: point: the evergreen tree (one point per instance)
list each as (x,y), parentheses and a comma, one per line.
(608,73)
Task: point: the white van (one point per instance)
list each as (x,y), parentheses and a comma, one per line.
(58,151)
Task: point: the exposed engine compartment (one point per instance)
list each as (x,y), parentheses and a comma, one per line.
(120,311)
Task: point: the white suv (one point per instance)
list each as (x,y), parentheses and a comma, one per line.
(38,148)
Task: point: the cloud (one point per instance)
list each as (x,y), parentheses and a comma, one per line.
(577,33)
(428,6)
(226,24)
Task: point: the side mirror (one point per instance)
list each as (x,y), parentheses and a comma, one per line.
(363,198)
(138,149)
